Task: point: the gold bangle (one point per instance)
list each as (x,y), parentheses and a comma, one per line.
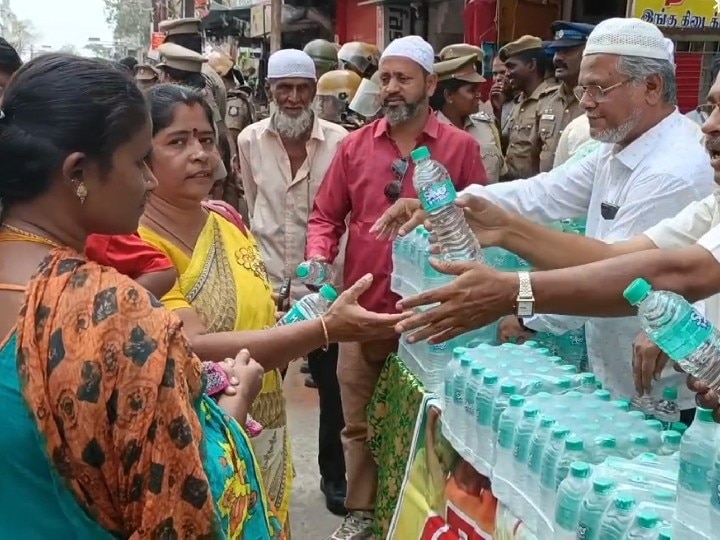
(325,332)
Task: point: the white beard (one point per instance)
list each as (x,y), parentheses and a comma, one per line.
(618,134)
(293,127)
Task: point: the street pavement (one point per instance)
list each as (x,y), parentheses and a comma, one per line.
(309,519)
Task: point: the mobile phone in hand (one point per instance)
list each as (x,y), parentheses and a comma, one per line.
(283,295)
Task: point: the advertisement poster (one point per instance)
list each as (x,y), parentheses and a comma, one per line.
(443,497)
(680,14)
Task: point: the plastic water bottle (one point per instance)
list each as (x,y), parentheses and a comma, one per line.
(437,194)
(714,478)
(569,501)
(667,409)
(310,306)
(697,456)
(470,410)
(548,468)
(644,404)
(538,443)
(679,330)
(501,403)
(574,451)
(458,405)
(484,405)
(606,447)
(639,444)
(618,518)
(450,369)
(646,526)
(670,443)
(588,383)
(593,508)
(315,273)
(521,446)
(509,420)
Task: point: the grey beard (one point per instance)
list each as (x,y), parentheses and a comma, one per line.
(293,127)
(401,113)
(618,134)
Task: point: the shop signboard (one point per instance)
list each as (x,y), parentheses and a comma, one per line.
(679,14)
(260,20)
(396,21)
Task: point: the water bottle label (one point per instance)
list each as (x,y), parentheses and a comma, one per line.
(684,336)
(693,477)
(483,415)
(294,315)
(438,195)
(715,492)
(458,397)
(439,347)
(505,437)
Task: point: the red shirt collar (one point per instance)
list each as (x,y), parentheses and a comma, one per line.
(382,127)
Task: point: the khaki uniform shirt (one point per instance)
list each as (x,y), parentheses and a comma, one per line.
(555,112)
(482,127)
(240,110)
(216,85)
(280,205)
(523,148)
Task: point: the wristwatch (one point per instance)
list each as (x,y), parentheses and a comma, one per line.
(525,302)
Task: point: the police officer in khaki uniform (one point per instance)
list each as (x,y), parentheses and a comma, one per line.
(240,109)
(146,76)
(526,64)
(362,58)
(324,55)
(456,101)
(458,50)
(561,107)
(188,34)
(335,91)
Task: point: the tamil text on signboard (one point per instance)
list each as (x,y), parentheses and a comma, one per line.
(679,14)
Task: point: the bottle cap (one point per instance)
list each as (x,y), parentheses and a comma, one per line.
(507,388)
(603,485)
(531,412)
(420,153)
(560,433)
(671,437)
(465,361)
(621,404)
(670,393)
(608,441)
(639,439)
(564,383)
(704,415)
(665,534)
(664,495)
(554,359)
(328,292)
(580,469)
(624,502)
(517,401)
(574,444)
(569,368)
(531,344)
(543,351)
(603,395)
(679,427)
(303,270)
(476,370)
(637,414)
(458,352)
(637,291)
(588,378)
(543,396)
(574,394)
(648,457)
(490,378)
(648,519)
(654,424)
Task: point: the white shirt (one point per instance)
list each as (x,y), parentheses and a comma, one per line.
(575,135)
(654,177)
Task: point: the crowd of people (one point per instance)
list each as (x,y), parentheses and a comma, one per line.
(151,217)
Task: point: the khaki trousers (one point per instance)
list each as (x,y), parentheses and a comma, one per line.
(359,367)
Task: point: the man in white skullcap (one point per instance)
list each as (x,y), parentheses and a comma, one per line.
(649,166)
(282,161)
(371,169)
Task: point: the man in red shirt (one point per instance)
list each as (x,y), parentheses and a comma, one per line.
(370,171)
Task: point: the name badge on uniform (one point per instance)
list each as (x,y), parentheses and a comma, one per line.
(547,116)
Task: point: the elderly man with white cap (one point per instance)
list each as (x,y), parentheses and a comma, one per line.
(283,160)
(649,166)
(370,171)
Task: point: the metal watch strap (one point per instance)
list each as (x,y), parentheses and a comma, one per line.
(525,291)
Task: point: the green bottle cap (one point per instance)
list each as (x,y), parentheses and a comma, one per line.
(608,441)
(508,388)
(637,291)
(531,412)
(664,495)
(637,414)
(670,393)
(458,352)
(517,401)
(639,439)
(624,502)
(648,519)
(328,292)
(560,433)
(490,379)
(569,368)
(564,383)
(679,427)
(603,485)
(671,437)
(554,359)
(665,534)
(603,395)
(547,422)
(420,153)
(580,469)
(303,270)
(588,378)
(574,444)
(655,425)
(704,415)
(531,344)
(476,370)
(465,362)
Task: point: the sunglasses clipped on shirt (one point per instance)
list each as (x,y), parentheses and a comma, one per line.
(393,189)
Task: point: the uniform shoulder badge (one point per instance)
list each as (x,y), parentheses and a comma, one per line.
(551,89)
(233,111)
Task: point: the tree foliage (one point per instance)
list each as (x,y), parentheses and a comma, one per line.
(69,48)
(131,20)
(21,34)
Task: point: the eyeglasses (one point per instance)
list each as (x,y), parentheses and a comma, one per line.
(597,93)
(393,189)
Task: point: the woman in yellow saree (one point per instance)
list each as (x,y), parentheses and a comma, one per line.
(223,296)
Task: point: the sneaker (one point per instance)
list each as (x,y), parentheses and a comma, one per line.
(357,526)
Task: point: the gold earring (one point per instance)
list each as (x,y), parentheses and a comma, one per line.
(81,192)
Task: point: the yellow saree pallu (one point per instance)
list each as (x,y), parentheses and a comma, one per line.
(226,283)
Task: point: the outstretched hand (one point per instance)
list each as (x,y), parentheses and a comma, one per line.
(488,221)
(348,321)
(477,297)
(400,219)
